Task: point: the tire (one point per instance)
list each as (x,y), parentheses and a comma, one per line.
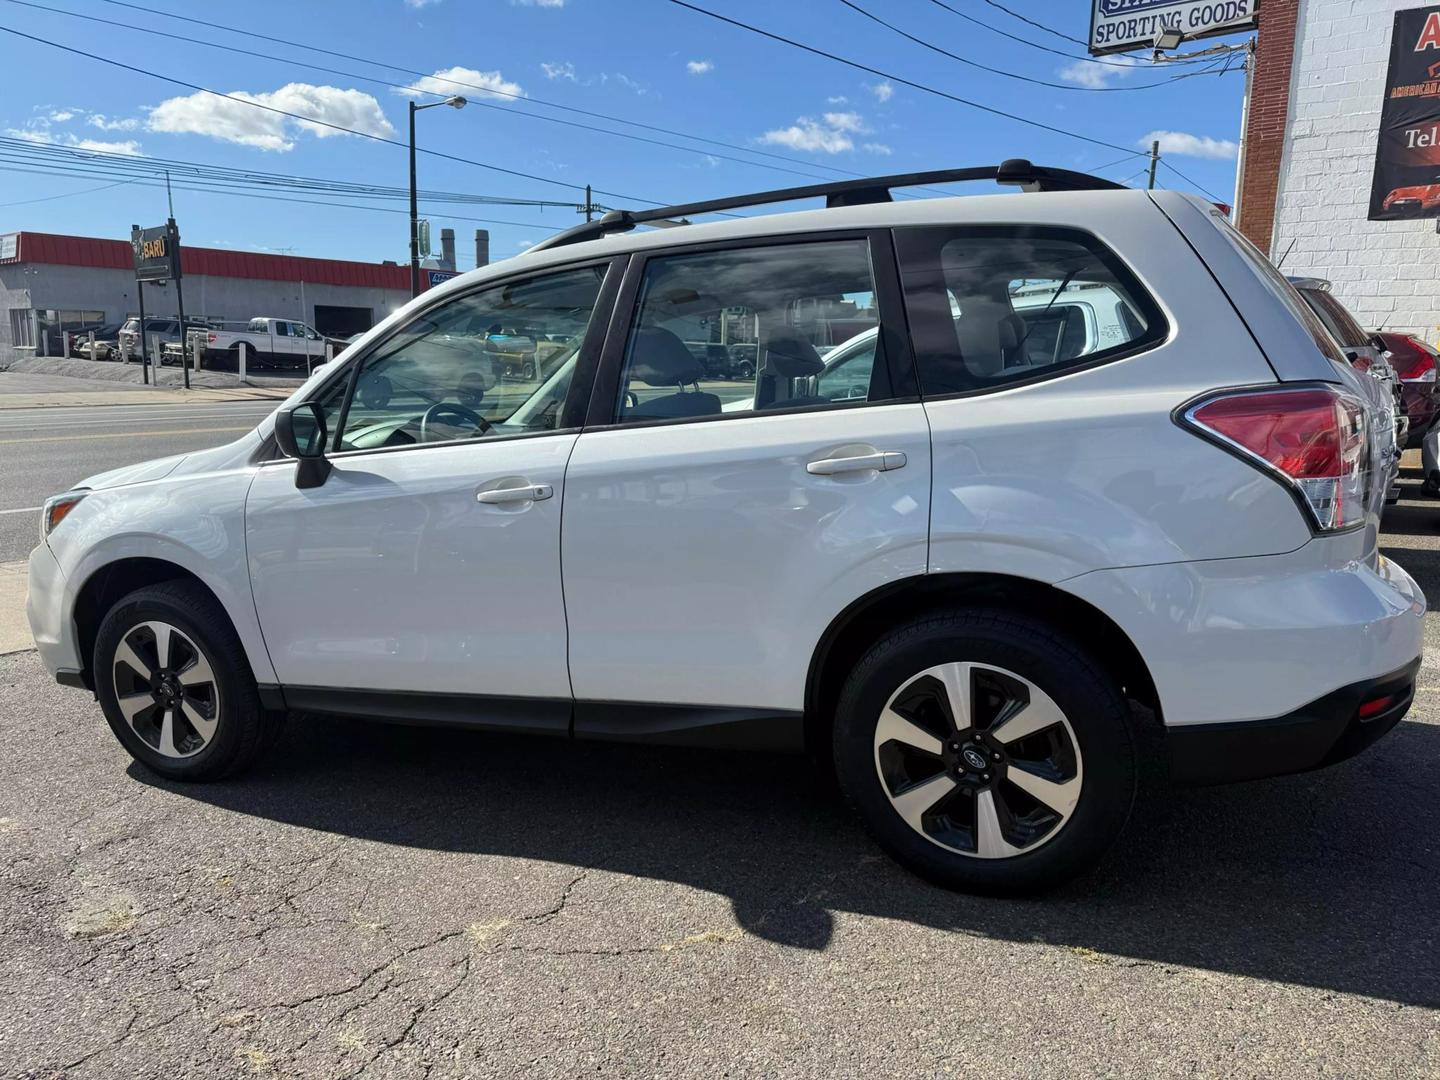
(981,831)
(220,728)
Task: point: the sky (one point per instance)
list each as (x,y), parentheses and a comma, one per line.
(81,140)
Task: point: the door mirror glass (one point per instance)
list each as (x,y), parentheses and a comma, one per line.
(301,432)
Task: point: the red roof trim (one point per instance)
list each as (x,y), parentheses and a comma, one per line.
(35,247)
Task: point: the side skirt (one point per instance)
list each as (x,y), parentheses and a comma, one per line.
(617,721)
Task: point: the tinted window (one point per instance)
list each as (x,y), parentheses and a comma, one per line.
(994,305)
(1347,331)
(748,329)
(454,372)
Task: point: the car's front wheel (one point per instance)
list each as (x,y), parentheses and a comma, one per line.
(986,752)
(175,686)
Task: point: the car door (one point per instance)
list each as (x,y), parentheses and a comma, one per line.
(714,527)
(422,578)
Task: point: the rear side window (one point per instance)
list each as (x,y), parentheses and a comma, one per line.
(990,306)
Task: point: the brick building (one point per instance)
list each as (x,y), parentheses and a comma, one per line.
(1310,143)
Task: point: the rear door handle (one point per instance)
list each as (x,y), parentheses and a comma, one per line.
(880,461)
(527,493)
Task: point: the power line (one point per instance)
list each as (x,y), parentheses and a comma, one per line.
(309,47)
(896,78)
(1200,187)
(313,120)
(1045,48)
(1038,26)
(1001,71)
(68,194)
(404,87)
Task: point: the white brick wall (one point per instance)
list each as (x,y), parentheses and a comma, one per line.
(1386,272)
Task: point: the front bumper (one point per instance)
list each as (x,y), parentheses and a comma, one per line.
(50,625)
(1329,729)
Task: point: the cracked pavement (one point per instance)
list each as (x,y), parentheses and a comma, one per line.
(400,902)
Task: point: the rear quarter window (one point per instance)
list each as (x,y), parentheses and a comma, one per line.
(990,306)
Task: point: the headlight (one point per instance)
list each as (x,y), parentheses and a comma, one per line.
(56,509)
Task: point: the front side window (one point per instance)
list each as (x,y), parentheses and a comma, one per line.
(480,365)
(752,329)
(990,306)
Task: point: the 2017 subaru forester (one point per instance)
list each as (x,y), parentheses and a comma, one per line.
(1071,452)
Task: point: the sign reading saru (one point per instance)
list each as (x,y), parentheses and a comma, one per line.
(157,252)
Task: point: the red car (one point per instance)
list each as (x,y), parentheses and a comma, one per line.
(1416,365)
(1420,199)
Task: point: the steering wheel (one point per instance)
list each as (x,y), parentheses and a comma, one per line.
(450,408)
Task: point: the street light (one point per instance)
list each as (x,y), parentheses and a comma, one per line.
(456,102)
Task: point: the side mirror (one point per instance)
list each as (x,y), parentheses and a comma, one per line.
(300,433)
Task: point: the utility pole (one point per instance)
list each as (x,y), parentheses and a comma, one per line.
(1154,161)
(589,206)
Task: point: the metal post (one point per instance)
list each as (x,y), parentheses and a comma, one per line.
(1154,160)
(414,214)
(180,303)
(198,348)
(64,342)
(243,350)
(91,338)
(1244,125)
(144,361)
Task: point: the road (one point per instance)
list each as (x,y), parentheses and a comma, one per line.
(44,451)
(398,902)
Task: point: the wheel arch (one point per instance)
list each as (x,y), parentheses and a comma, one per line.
(855,629)
(111,583)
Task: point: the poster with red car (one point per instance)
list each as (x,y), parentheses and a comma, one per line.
(1407,160)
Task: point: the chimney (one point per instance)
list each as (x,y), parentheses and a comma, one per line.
(482,247)
(447,249)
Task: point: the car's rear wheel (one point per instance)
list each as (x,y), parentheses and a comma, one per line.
(175,686)
(986,752)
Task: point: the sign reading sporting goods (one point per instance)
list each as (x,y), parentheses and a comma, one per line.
(1120,25)
(1407,157)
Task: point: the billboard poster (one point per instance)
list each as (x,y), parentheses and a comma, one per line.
(1121,25)
(1407,157)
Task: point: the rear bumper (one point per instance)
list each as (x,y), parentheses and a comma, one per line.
(1329,729)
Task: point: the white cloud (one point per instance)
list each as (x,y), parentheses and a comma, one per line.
(630,84)
(845,121)
(420,3)
(1183,144)
(829,135)
(43,134)
(838,99)
(59,116)
(538,3)
(877,148)
(233,121)
(699,67)
(105,123)
(464,81)
(883,91)
(1095,76)
(558,69)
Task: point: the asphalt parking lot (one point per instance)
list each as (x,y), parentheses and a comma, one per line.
(399,902)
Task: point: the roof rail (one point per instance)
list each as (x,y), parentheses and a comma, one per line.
(1017,172)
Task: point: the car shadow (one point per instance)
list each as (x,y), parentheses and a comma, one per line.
(1325,880)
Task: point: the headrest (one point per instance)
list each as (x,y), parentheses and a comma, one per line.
(791,356)
(660,358)
(1012,331)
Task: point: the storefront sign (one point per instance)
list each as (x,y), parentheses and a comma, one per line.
(1120,25)
(9,246)
(157,252)
(1407,159)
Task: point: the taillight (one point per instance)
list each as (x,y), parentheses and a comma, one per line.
(1412,360)
(1311,438)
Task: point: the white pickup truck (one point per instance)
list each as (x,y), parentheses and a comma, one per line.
(271,343)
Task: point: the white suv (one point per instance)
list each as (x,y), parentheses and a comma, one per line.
(980,566)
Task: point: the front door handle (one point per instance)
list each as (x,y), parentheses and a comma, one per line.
(527,493)
(880,461)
